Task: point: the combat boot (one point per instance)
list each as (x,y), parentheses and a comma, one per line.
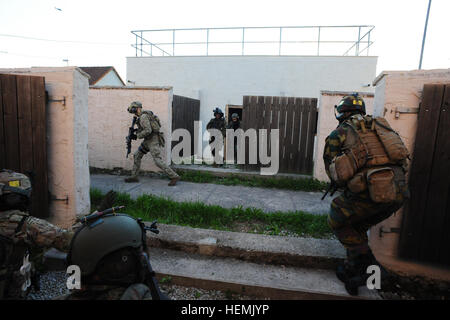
(131,179)
(173,181)
(353,272)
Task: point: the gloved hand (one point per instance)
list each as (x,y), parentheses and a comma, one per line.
(133,136)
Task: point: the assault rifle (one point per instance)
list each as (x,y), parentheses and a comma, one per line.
(131,132)
(96,215)
(331,187)
(148,275)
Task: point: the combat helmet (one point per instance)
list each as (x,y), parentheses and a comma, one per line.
(235,116)
(15,190)
(217,110)
(133,106)
(352,103)
(106,247)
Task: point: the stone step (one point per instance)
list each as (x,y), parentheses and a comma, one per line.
(242,277)
(258,248)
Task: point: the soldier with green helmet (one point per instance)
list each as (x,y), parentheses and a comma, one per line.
(149,129)
(22,236)
(365,158)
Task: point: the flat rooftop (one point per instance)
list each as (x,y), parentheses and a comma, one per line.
(352,40)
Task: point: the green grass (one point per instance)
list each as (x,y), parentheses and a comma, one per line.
(300,184)
(200,215)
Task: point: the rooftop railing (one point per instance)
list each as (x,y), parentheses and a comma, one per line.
(296,40)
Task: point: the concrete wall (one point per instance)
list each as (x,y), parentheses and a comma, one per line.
(109,122)
(327,122)
(67,140)
(402,89)
(222,80)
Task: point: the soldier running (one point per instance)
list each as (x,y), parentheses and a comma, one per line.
(149,129)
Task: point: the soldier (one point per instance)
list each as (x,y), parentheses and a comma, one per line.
(111,252)
(149,129)
(218,122)
(367,159)
(22,236)
(234,124)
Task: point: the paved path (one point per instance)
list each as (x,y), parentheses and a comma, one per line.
(269,200)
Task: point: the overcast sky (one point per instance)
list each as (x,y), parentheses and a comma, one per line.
(97,32)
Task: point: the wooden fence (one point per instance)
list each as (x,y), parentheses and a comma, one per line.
(23,133)
(184,112)
(425,233)
(296,118)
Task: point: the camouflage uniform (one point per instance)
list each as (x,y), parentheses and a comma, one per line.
(352,214)
(137,291)
(234,125)
(220,125)
(153,141)
(20,232)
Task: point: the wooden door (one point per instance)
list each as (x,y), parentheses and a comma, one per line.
(23,133)
(425,234)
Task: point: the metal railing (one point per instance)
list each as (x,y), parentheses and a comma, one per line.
(166,44)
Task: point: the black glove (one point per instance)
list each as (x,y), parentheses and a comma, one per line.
(133,136)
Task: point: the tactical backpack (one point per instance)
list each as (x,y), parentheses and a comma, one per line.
(374,162)
(155,123)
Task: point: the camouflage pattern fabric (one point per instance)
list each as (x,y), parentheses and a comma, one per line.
(18,232)
(152,143)
(137,291)
(220,125)
(351,215)
(34,232)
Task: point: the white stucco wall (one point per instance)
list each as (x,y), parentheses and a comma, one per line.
(80,133)
(327,122)
(109,79)
(109,122)
(68,171)
(222,80)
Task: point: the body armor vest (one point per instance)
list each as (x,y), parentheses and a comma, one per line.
(372,155)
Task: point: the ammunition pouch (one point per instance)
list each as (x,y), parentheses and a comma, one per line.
(381,184)
(392,143)
(358,183)
(342,169)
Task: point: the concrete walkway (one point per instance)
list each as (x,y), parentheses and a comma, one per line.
(269,200)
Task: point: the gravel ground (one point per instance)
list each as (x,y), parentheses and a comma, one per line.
(188,293)
(53,284)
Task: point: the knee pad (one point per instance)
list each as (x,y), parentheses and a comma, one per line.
(142,148)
